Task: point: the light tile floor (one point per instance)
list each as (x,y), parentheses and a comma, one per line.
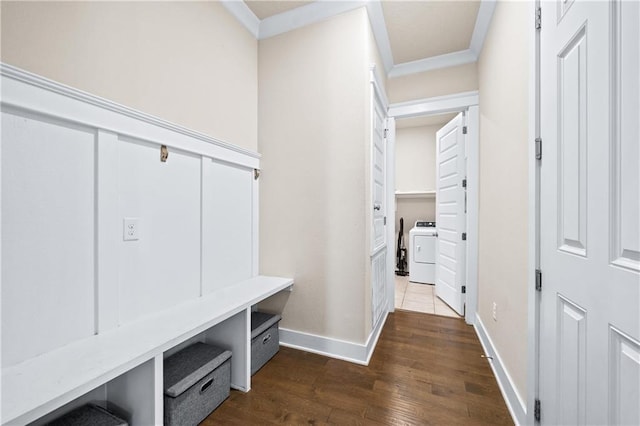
(420,298)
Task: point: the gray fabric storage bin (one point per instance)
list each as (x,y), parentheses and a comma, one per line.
(88,415)
(265,340)
(196,381)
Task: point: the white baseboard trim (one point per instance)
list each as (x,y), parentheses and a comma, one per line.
(516,405)
(357,353)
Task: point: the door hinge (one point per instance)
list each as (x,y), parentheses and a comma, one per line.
(464,183)
(464,130)
(538,148)
(538,280)
(464,289)
(386,133)
(538,18)
(464,236)
(536,410)
(256,174)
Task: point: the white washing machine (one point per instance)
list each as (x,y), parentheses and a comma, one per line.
(422,252)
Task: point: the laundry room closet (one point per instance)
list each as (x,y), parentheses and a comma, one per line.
(415,190)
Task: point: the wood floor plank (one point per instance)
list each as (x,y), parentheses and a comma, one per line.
(426,370)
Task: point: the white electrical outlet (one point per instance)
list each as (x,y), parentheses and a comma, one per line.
(495,309)
(131,229)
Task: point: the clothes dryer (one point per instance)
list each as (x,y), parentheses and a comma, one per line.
(422,252)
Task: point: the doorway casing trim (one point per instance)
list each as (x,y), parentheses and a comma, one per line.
(464,101)
(533,296)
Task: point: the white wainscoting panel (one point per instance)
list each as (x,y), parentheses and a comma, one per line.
(48,212)
(227,233)
(162,268)
(74,166)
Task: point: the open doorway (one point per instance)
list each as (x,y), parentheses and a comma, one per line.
(415,198)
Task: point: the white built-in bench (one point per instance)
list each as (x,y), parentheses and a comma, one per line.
(124,366)
(90,314)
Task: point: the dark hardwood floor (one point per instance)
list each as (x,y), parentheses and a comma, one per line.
(426,369)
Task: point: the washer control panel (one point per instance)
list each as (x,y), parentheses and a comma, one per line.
(425,224)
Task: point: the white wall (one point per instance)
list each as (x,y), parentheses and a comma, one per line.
(416,158)
(313,103)
(440,82)
(190,63)
(503,73)
(415,171)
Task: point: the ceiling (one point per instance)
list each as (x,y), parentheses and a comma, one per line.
(412,36)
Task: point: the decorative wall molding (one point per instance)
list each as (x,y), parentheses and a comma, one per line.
(357,353)
(485,13)
(22,89)
(244,15)
(515,403)
(379,29)
(435,62)
(321,10)
(303,16)
(375,79)
(437,104)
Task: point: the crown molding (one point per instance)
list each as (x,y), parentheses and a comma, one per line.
(485,13)
(244,15)
(303,16)
(433,63)
(379,29)
(325,9)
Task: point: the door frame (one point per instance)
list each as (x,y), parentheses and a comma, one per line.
(458,102)
(379,95)
(533,261)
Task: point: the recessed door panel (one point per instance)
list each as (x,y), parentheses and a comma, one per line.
(625,173)
(624,379)
(571,362)
(572,146)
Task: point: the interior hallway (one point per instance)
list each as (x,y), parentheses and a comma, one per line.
(420,298)
(426,369)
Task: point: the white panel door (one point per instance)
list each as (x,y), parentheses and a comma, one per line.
(378,177)
(378,224)
(589,225)
(450,213)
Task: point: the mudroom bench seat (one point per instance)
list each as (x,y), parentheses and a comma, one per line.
(123,366)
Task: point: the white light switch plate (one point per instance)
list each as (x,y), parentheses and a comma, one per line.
(131,229)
